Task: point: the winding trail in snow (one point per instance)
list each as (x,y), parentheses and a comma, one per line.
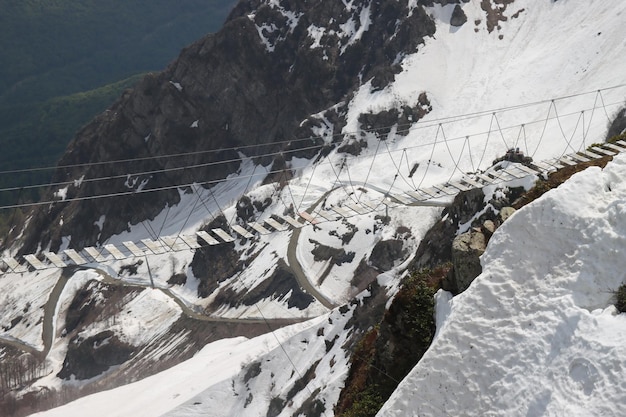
(50,312)
(50,309)
(47,329)
(301,277)
(296,267)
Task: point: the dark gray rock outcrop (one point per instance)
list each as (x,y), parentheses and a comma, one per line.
(214,264)
(386,253)
(618,125)
(466,251)
(436,247)
(94,355)
(458,17)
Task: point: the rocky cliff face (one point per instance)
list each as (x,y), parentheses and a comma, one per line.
(246,90)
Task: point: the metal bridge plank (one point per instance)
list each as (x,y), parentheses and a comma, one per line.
(36,263)
(223,235)
(306,216)
(485,178)
(207,237)
(591,155)
(174,243)
(155,246)
(401,198)
(519,174)
(529,170)
(326,215)
(259,228)
(554,163)
(191,241)
(459,185)
(447,189)
(602,151)
(134,249)
(14,265)
(95,254)
(75,257)
(169,243)
(113,250)
(276,225)
(418,195)
(357,207)
(367,207)
(612,146)
(55,259)
(241,231)
(435,190)
(471,182)
(291,221)
(504,175)
(431,191)
(577,157)
(545,167)
(564,160)
(342,211)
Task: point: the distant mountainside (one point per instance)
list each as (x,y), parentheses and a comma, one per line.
(55,49)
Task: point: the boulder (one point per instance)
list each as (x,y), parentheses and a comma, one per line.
(436,246)
(458,17)
(506,212)
(488,228)
(466,251)
(386,253)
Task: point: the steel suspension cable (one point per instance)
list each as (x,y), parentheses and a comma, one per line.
(431,157)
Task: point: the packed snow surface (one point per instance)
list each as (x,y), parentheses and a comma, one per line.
(536,333)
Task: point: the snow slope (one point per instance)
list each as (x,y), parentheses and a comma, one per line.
(236,376)
(536,333)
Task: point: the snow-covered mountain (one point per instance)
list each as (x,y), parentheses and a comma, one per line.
(301,107)
(535,334)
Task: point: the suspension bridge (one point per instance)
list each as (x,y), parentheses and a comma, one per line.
(465,176)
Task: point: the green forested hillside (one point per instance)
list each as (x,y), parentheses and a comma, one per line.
(64,61)
(51,48)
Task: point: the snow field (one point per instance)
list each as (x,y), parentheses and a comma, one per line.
(192,381)
(25,296)
(367,232)
(146,316)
